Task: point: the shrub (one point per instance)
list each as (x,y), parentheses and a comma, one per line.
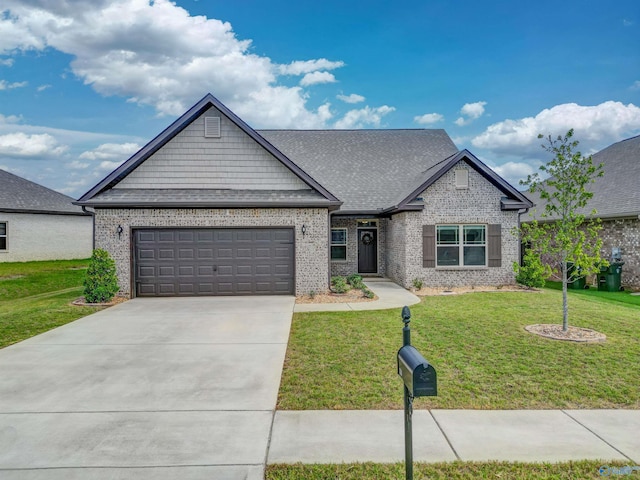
(532,272)
(355,281)
(367,293)
(339,285)
(101,282)
(417,283)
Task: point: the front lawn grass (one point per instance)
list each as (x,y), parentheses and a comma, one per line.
(483,356)
(445,471)
(36,297)
(595,294)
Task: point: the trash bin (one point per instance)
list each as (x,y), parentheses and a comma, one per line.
(609,279)
(580,283)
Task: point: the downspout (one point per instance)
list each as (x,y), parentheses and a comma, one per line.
(93,226)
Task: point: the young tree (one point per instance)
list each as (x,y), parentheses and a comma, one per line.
(564,236)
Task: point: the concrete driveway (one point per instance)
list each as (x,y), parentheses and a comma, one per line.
(153,388)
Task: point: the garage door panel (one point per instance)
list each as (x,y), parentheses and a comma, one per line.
(213,261)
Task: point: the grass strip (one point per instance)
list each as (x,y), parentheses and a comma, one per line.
(589,469)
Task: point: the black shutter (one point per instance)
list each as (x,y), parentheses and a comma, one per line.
(495,245)
(429,246)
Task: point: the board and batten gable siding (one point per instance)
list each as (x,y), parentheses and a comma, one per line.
(446,204)
(233,161)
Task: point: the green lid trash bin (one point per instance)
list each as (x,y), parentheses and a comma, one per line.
(610,278)
(580,283)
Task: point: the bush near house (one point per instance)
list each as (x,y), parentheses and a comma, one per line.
(101,282)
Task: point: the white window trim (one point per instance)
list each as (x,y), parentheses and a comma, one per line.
(346,241)
(6,236)
(461,246)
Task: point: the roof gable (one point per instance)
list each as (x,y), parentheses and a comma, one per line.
(514,200)
(20,195)
(181,129)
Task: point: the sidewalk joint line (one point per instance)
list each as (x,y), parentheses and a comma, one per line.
(445,436)
(598,436)
(266,453)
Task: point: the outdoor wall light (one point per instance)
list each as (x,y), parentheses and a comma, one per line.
(304,230)
(119,231)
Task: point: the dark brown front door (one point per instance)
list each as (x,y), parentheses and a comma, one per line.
(367,251)
(214,261)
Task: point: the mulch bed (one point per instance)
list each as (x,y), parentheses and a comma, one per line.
(573,334)
(79,302)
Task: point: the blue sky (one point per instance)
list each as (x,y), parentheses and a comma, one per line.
(83,85)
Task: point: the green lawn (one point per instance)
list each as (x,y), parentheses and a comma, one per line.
(483,356)
(595,294)
(444,471)
(36,296)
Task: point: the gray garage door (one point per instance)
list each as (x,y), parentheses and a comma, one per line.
(208,261)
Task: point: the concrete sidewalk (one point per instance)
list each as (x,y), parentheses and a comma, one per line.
(390,295)
(448,435)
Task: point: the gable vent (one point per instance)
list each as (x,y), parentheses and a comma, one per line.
(462,178)
(212,127)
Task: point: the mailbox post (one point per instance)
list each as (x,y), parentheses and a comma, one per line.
(419,379)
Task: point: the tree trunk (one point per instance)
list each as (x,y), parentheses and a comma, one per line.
(565,304)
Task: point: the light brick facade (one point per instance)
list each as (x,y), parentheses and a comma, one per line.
(445,204)
(311,252)
(624,234)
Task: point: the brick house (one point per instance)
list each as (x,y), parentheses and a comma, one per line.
(37,223)
(212,207)
(616,199)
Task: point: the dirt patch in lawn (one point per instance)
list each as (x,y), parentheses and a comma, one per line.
(352,296)
(573,334)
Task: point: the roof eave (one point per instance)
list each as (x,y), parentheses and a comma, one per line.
(208,204)
(44,212)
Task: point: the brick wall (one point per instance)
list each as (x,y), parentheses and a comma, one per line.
(351,264)
(624,234)
(312,265)
(444,204)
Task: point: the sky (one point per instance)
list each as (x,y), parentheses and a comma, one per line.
(85,84)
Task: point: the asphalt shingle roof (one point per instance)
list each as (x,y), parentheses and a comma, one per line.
(617,193)
(368,170)
(20,195)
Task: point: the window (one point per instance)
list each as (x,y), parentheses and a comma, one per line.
(338,244)
(367,224)
(462,178)
(3,236)
(461,245)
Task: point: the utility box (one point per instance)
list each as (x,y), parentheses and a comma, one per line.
(419,377)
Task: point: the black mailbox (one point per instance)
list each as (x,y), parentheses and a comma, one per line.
(417,374)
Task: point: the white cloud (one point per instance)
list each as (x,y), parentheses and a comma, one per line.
(636,85)
(317,77)
(513,172)
(428,118)
(4,120)
(595,127)
(363,117)
(42,88)
(353,98)
(4,85)
(117,152)
(6,62)
(30,146)
(307,66)
(155,53)
(77,165)
(627,23)
(470,112)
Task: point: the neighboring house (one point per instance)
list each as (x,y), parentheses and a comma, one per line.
(37,223)
(616,199)
(213,207)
